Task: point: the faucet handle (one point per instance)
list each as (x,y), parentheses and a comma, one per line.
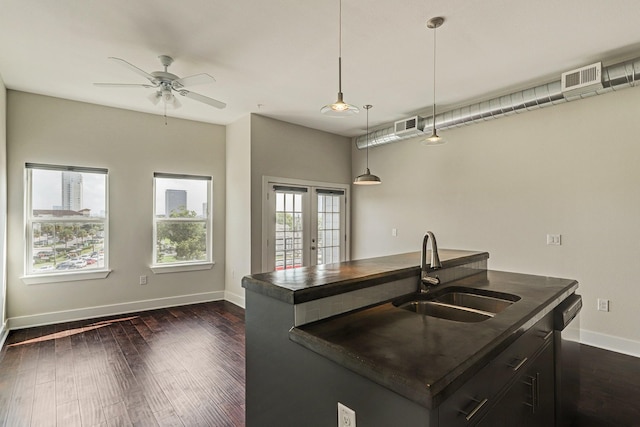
(428,280)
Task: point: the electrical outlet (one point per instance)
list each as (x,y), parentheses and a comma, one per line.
(346,416)
(554,239)
(143,280)
(603,304)
(394,232)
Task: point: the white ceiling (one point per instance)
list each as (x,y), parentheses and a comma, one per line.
(279,57)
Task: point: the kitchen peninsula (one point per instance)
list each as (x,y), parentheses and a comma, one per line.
(320,335)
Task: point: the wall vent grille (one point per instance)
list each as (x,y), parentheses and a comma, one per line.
(582,80)
(410,125)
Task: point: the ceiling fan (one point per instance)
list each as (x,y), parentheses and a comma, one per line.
(166,84)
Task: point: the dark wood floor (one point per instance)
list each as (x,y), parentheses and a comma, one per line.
(172,367)
(609,389)
(184,366)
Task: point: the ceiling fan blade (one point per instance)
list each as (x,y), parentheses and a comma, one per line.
(196,79)
(202,98)
(122,85)
(136,70)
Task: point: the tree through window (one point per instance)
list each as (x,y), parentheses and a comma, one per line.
(182,222)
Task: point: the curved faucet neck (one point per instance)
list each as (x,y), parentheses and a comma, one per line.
(435,259)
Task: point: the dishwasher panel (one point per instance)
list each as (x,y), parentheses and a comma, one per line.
(567,358)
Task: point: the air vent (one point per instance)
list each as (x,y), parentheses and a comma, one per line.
(408,126)
(582,80)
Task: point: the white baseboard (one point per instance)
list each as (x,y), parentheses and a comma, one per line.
(610,342)
(21,322)
(234,298)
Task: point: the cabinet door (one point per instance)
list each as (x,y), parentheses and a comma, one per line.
(504,413)
(540,380)
(530,400)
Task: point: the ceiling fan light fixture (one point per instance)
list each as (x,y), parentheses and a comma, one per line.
(167,96)
(155,97)
(165,83)
(367,178)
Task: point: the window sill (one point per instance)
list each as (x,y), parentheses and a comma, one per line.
(37,279)
(178,268)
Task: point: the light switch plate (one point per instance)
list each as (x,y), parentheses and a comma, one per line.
(554,239)
(603,304)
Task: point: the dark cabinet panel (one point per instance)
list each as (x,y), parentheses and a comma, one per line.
(530,400)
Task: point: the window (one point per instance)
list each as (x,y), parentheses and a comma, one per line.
(182,222)
(66,220)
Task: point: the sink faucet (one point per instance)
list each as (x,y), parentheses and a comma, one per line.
(425,279)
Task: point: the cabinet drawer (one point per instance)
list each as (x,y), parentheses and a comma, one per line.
(467,405)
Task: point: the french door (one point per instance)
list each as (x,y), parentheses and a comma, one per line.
(305,225)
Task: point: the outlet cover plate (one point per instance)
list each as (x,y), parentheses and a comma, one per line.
(346,416)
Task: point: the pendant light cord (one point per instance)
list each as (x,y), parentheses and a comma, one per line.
(340,49)
(367,136)
(435,30)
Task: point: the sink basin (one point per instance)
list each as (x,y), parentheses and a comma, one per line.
(458,304)
(443,311)
(490,304)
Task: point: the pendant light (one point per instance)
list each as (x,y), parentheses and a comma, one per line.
(434,138)
(367,178)
(339,108)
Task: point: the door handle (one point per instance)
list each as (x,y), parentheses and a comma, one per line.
(535,392)
(476,408)
(517,365)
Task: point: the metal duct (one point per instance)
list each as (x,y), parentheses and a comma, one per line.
(614,77)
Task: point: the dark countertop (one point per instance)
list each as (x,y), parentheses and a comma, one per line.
(300,285)
(425,358)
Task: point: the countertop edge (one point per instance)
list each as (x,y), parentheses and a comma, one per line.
(263,283)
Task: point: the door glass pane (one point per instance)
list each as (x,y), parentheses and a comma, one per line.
(328,228)
(289,230)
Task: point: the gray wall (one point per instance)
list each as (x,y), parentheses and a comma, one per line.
(3,206)
(238,206)
(290,151)
(131,146)
(502,185)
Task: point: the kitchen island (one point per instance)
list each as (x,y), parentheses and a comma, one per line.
(321,335)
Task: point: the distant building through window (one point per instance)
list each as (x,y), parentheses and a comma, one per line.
(174,201)
(66,218)
(71,191)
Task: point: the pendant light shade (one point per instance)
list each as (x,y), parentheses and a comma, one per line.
(434,138)
(339,108)
(367,178)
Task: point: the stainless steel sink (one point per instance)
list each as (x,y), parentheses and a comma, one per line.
(443,311)
(458,304)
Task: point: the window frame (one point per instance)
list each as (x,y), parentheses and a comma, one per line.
(173,267)
(30,277)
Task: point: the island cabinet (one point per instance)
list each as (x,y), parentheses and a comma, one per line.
(514,389)
(319,336)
